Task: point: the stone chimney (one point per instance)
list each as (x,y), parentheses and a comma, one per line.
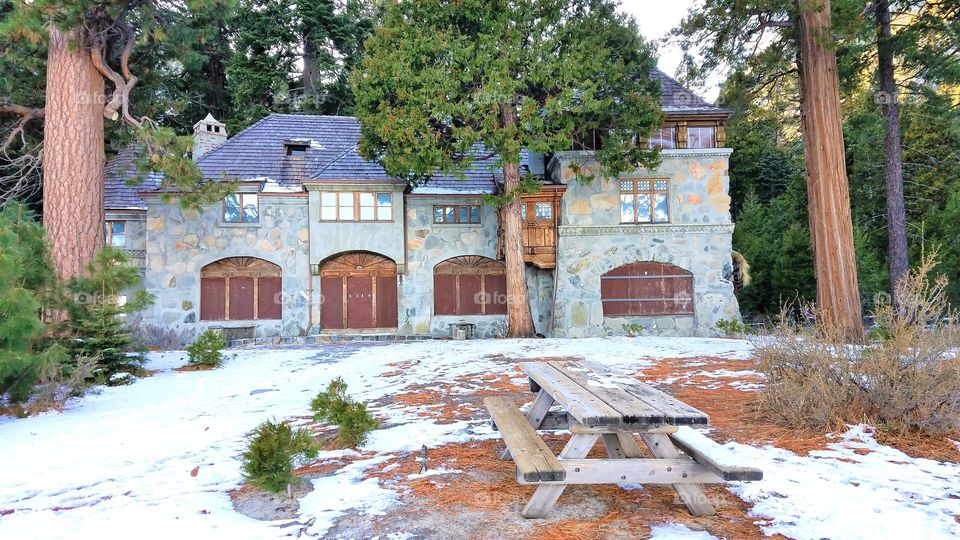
(208,134)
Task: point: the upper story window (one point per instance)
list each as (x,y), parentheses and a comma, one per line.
(701,137)
(241,208)
(116,235)
(665,137)
(644,201)
(452,215)
(356,206)
(296,150)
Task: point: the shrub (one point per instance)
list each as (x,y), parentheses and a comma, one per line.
(907,381)
(205,351)
(733,328)
(26,279)
(274,449)
(354,420)
(153,337)
(96,314)
(632,329)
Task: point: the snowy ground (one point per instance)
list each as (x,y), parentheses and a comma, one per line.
(118,464)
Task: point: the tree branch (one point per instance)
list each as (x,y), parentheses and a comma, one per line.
(26,114)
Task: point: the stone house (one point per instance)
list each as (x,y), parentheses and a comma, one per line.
(318,240)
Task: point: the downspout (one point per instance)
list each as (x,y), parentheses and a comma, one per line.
(309,270)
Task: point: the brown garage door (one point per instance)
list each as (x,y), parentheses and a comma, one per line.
(647,289)
(359,292)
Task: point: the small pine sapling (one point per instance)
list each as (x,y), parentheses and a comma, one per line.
(206,350)
(274,449)
(333,405)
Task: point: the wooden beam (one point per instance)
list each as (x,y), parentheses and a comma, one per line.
(675,471)
(711,455)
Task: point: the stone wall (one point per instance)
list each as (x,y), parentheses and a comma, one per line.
(429,244)
(180,242)
(699,239)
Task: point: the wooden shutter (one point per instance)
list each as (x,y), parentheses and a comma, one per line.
(647,289)
(444,294)
(213,299)
(331,302)
(386,302)
(496,294)
(269,298)
(470,297)
(241,299)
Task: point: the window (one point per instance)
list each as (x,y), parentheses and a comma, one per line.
(452,215)
(701,137)
(663,138)
(647,289)
(542,211)
(240,289)
(116,236)
(359,206)
(644,201)
(241,208)
(469,285)
(296,150)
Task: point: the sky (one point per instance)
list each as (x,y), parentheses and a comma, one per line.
(656,18)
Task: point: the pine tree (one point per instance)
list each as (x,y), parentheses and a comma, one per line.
(442,80)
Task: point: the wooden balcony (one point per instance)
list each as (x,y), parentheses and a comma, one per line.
(540,216)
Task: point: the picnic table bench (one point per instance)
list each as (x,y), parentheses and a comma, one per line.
(597,403)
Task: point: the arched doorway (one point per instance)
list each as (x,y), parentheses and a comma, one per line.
(240,289)
(469,285)
(359,292)
(647,289)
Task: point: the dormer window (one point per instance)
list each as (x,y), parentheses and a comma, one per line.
(296,150)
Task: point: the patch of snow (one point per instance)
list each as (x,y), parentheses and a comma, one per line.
(840,492)
(677,531)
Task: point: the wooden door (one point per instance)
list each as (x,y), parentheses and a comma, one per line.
(331,304)
(241,299)
(359,292)
(360,302)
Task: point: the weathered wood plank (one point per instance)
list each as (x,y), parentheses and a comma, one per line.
(675,411)
(632,409)
(587,408)
(535,415)
(692,494)
(677,472)
(577,427)
(546,496)
(711,455)
(535,462)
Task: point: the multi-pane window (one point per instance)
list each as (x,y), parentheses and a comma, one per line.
(644,201)
(116,236)
(451,215)
(663,138)
(241,208)
(701,137)
(356,206)
(542,211)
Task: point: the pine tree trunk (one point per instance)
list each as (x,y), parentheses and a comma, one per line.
(73,157)
(310,71)
(892,153)
(828,192)
(519,316)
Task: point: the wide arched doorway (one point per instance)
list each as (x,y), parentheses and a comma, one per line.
(647,289)
(470,285)
(359,292)
(240,289)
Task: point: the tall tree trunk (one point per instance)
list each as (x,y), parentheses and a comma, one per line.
(519,316)
(215,72)
(73,157)
(311,72)
(828,191)
(892,153)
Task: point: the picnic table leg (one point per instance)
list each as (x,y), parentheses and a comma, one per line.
(692,494)
(538,410)
(545,497)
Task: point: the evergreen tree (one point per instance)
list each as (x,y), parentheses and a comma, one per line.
(442,80)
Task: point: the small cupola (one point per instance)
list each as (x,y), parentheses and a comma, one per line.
(208,134)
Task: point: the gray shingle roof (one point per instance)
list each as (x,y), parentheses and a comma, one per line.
(117,194)
(674,97)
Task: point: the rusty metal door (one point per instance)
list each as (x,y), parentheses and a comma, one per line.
(360,302)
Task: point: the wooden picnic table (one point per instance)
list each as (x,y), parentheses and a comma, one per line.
(597,403)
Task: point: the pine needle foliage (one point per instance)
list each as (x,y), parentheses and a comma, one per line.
(274,449)
(333,405)
(206,350)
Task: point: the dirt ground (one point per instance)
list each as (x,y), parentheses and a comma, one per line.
(483,500)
